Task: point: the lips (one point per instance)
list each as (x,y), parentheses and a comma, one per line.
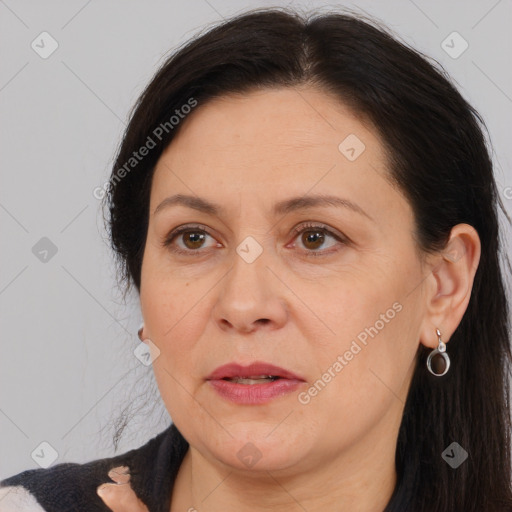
(257,370)
(256,384)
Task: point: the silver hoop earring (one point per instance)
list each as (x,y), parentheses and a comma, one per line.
(438,359)
(139,332)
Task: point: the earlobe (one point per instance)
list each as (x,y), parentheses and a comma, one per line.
(140,333)
(451,284)
(154,351)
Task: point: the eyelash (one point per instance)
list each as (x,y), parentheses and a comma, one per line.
(297,231)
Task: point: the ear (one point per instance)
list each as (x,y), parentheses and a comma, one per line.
(140,333)
(448,287)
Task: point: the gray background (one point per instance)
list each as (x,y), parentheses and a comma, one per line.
(67,339)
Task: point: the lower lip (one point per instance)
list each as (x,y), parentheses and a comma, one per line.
(253,394)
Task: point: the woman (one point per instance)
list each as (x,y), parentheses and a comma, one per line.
(308,211)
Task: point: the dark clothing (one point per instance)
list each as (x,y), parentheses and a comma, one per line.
(70,487)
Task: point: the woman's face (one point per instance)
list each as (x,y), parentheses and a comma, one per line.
(338,303)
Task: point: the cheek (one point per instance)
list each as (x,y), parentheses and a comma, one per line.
(172,305)
(360,385)
(176,325)
(176,311)
(367,355)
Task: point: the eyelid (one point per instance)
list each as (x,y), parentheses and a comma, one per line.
(296,230)
(321,226)
(168,239)
(333,233)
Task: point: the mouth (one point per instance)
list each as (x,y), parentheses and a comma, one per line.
(257,379)
(255,384)
(255,373)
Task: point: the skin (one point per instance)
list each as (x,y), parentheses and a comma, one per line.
(245,153)
(119,496)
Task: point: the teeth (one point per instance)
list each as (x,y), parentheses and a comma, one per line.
(253,380)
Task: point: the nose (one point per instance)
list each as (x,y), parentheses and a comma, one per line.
(251,297)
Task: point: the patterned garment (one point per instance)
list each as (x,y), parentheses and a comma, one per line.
(71,487)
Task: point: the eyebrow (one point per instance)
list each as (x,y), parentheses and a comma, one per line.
(280,208)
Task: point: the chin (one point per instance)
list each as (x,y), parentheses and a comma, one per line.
(259,452)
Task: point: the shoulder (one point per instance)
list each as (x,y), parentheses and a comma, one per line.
(18,499)
(72,487)
(65,486)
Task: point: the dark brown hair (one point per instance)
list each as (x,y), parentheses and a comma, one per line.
(438,158)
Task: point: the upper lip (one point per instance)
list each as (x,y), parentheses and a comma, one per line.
(257,368)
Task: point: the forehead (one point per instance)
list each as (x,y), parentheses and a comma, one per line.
(288,117)
(290,127)
(275,143)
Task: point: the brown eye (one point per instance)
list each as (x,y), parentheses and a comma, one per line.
(313,239)
(193,239)
(188,240)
